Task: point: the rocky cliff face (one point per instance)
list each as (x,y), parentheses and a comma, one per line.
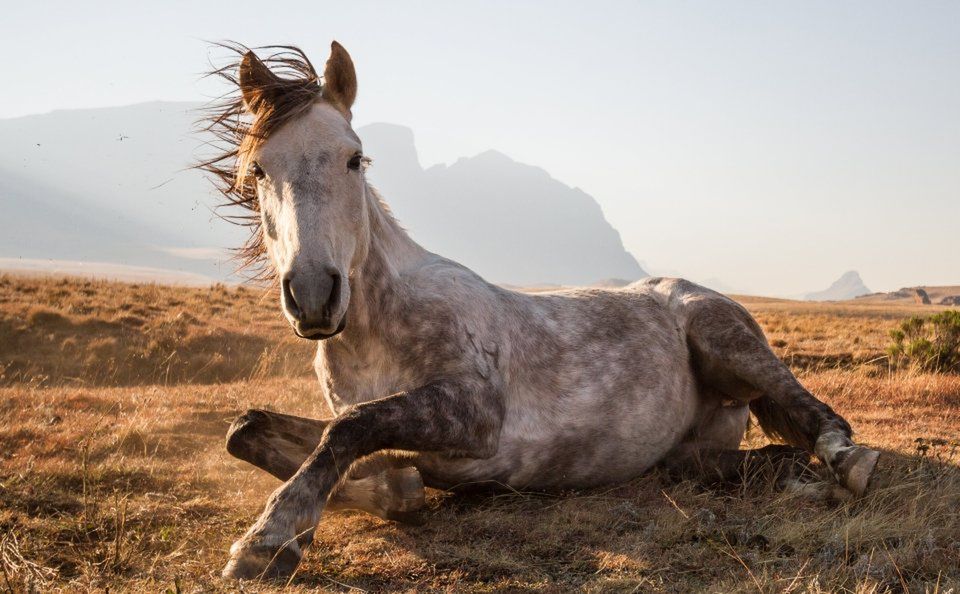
(509,221)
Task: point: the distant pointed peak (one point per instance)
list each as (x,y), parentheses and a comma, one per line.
(848,286)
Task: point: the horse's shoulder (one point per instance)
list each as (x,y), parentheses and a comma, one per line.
(444,302)
(439,276)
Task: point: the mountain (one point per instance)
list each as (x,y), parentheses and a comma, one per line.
(113,185)
(110,185)
(848,286)
(510,222)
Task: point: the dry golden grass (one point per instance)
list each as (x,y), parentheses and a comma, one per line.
(128,486)
(832,335)
(59,331)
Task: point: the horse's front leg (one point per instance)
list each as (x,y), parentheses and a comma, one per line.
(458,418)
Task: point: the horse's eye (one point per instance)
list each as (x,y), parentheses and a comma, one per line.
(257,170)
(355,162)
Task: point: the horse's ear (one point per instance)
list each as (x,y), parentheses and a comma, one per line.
(258,84)
(340,79)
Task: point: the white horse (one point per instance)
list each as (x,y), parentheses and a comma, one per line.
(458,380)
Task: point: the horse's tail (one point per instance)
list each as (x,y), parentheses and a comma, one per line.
(793,427)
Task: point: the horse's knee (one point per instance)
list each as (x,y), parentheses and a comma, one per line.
(722,425)
(730,425)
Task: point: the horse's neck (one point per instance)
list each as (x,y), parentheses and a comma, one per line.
(375,288)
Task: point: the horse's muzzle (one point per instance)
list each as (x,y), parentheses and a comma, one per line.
(312,302)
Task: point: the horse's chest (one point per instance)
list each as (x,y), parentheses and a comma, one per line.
(359,379)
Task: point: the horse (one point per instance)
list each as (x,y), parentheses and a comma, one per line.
(437,377)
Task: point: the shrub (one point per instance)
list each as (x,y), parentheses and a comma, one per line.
(928,344)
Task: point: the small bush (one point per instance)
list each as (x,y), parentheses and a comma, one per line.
(928,344)
(43,316)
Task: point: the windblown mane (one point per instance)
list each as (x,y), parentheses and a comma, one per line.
(236,136)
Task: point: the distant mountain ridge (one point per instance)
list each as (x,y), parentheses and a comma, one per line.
(110,185)
(848,286)
(113,185)
(935,295)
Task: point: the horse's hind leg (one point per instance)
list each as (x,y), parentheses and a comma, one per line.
(777,464)
(732,356)
(710,454)
(385,485)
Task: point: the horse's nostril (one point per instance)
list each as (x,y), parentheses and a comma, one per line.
(288,299)
(334,299)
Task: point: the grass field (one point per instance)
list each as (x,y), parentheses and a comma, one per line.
(114,400)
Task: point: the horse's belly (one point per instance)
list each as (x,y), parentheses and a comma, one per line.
(598,439)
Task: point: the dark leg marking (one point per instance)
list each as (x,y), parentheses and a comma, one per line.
(454,418)
(275,442)
(385,485)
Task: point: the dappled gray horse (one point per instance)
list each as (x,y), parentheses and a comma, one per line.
(433,372)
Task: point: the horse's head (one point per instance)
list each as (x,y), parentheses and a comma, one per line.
(307,165)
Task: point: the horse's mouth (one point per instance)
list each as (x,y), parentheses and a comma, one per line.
(317,333)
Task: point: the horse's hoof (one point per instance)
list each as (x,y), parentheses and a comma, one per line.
(411,518)
(856,468)
(240,442)
(399,496)
(262,562)
(406,488)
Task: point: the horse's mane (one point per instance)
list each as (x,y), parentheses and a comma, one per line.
(236,136)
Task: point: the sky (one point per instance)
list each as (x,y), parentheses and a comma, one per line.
(769,145)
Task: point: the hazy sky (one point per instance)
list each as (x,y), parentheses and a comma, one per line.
(771,145)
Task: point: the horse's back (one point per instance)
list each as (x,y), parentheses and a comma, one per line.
(686,298)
